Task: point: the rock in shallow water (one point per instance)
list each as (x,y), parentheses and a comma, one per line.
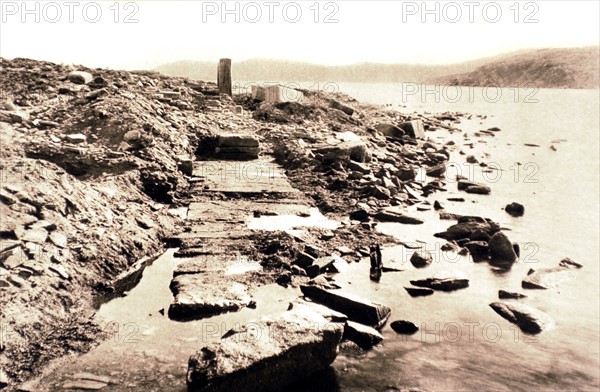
(356,308)
(364,336)
(266,355)
(529,319)
(515,209)
(444,281)
(421,258)
(546,278)
(404,327)
(418,291)
(501,249)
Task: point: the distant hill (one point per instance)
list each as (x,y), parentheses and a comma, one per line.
(560,68)
(574,68)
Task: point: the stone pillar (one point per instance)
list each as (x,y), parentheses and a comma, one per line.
(224,76)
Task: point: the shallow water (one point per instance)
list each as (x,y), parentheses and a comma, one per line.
(463,345)
(560,192)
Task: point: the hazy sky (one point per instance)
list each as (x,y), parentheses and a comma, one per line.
(433,32)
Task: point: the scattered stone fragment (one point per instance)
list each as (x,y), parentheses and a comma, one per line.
(444,281)
(419,291)
(340,106)
(404,327)
(568,263)
(393,214)
(76,138)
(503,294)
(421,258)
(515,209)
(479,189)
(80,77)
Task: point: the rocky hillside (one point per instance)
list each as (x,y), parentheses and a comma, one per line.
(574,68)
(96,167)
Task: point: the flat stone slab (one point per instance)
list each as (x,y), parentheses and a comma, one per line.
(356,308)
(364,336)
(256,176)
(546,278)
(444,281)
(266,355)
(217,210)
(236,140)
(529,319)
(198,296)
(211,263)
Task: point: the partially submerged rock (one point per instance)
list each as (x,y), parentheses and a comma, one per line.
(364,336)
(267,355)
(546,278)
(404,327)
(444,281)
(397,216)
(503,294)
(466,226)
(529,319)
(515,209)
(421,258)
(356,308)
(501,249)
(419,291)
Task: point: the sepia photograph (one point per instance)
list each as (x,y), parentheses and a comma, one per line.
(299,196)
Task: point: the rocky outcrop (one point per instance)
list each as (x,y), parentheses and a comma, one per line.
(266,355)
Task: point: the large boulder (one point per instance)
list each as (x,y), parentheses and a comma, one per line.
(356,308)
(266,355)
(501,249)
(529,319)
